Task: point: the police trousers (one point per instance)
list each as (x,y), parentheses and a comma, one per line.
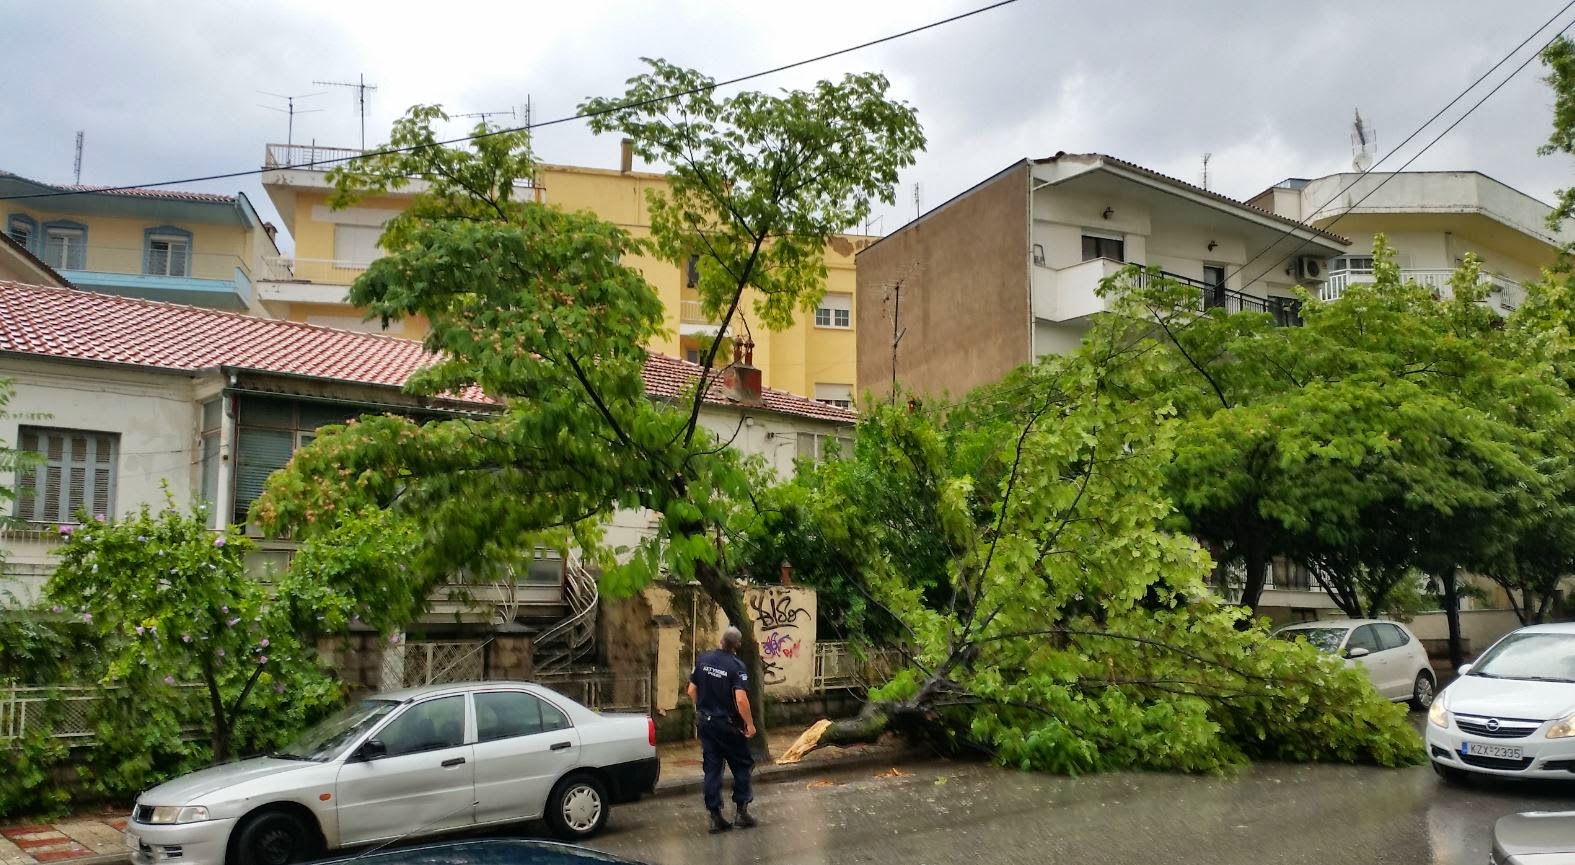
(723,742)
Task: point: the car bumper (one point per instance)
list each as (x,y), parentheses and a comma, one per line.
(1540,757)
(635,778)
(186,843)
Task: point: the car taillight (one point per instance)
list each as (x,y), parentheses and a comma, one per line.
(650,730)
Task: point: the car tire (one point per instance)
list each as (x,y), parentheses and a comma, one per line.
(1423,691)
(578,806)
(272,838)
(1450,775)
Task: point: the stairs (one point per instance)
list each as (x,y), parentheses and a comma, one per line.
(573,638)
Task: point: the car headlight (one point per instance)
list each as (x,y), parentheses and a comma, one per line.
(178,814)
(1438,716)
(1563,728)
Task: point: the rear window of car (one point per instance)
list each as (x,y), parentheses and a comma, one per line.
(506,714)
(1323,639)
(1391,636)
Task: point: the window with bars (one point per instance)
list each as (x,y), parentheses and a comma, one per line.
(74,473)
(65,246)
(23,229)
(168,252)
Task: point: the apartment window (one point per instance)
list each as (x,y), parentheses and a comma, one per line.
(835,310)
(355,246)
(1104,246)
(835,394)
(818,446)
(74,473)
(65,245)
(692,272)
(24,230)
(1361,263)
(166,251)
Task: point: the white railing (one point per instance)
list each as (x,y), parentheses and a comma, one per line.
(690,312)
(558,647)
(602,692)
(307,156)
(837,665)
(1436,279)
(286,264)
(63,711)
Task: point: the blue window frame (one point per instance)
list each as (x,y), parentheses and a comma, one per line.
(24,230)
(166,251)
(64,245)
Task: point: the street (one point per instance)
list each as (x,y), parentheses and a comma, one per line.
(945,812)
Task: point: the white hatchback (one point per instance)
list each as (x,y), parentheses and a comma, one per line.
(1512,713)
(1393,658)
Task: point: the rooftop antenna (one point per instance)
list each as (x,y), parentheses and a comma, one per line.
(916,211)
(77,167)
(289,102)
(361,89)
(1206,158)
(485,114)
(1364,144)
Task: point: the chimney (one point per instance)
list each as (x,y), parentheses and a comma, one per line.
(742,379)
(626,156)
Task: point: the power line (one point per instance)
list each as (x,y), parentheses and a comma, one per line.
(545,123)
(1306,224)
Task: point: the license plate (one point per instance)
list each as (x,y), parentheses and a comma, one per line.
(1500,752)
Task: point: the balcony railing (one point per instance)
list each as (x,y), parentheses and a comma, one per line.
(690,312)
(307,156)
(1286,311)
(1436,279)
(284,266)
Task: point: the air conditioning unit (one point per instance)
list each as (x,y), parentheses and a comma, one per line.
(1310,268)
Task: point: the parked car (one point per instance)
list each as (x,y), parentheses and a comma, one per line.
(491,851)
(1512,713)
(1534,838)
(404,764)
(1394,659)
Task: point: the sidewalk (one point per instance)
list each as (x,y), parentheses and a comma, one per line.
(96,837)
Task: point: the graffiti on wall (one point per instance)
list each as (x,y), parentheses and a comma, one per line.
(774,609)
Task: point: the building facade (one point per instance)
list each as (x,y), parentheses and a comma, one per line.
(813,358)
(161,244)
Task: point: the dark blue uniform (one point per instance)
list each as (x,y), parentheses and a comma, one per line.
(717,676)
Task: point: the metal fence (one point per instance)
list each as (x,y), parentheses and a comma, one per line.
(839,665)
(603,692)
(433,662)
(63,711)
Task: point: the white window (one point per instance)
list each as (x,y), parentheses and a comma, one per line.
(817,446)
(21,230)
(834,394)
(355,246)
(836,310)
(168,255)
(64,248)
(73,472)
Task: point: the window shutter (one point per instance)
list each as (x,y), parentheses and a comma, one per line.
(259,453)
(806,445)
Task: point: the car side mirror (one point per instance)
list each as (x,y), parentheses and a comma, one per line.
(1358,652)
(1464,669)
(371,749)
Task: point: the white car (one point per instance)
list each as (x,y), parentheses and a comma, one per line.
(1512,713)
(404,764)
(1393,658)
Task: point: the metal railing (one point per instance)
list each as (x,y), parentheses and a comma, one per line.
(571,639)
(1437,279)
(62,711)
(286,264)
(838,665)
(1286,311)
(602,692)
(307,156)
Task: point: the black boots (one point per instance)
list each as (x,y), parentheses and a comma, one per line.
(743,820)
(719,823)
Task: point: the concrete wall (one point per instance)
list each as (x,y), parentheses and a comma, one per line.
(1479,627)
(963,307)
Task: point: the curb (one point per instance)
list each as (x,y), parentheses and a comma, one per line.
(775,774)
(102,859)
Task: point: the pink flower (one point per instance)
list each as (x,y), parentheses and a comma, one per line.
(221,653)
(224,609)
(278,687)
(66,530)
(169,680)
(263,659)
(395,638)
(57,609)
(87,618)
(98,518)
(140,630)
(219,541)
(185,638)
(235,621)
(264,643)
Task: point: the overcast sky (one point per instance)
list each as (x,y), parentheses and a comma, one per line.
(169,89)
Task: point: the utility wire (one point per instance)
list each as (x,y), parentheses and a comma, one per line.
(545,123)
(1307,224)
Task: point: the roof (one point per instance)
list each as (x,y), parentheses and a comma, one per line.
(137,192)
(1224,199)
(25,254)
(70,324)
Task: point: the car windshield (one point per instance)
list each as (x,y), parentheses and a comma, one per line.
(1536,657)
(1323,639)
(330,738)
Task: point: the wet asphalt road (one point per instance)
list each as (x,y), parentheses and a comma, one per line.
(966,813)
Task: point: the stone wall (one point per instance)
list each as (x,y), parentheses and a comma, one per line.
(356,659)
(510,656)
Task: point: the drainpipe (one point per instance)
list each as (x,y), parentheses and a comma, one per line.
(224,497)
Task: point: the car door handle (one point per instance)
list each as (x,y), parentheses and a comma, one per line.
(562,746)
(453,761)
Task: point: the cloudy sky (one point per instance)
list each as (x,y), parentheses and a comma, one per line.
(169,90)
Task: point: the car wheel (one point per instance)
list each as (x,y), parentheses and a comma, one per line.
(1423,692)
(272,838)
(1451,775)
(578,807)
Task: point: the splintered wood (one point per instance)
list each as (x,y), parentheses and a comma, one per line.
(805,743)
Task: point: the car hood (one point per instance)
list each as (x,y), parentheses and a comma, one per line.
(187,789)
(1510,698)
(1536,832)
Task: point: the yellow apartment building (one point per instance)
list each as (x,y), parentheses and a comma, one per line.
(161,244)
(814,358)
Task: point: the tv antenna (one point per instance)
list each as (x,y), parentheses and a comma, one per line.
(77,167)
(361,89)
(1364,144)
(511,114)
(916,211)
(289,109)
(1206,158)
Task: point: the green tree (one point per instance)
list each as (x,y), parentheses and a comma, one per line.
(532,305)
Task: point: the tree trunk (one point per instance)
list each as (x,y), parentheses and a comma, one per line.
(1457,655)
(727,595)
(1257,563)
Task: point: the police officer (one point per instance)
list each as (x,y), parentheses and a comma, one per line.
(719,688)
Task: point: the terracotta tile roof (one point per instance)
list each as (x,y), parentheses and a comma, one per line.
(103,328)
(137,192)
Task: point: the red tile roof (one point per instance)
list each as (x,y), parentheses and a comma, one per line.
(134,192)
(79,325)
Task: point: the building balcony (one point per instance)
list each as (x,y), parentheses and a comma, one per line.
(1072,293)
(1504,292)
(218,280)
(692,319)
(309,156)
